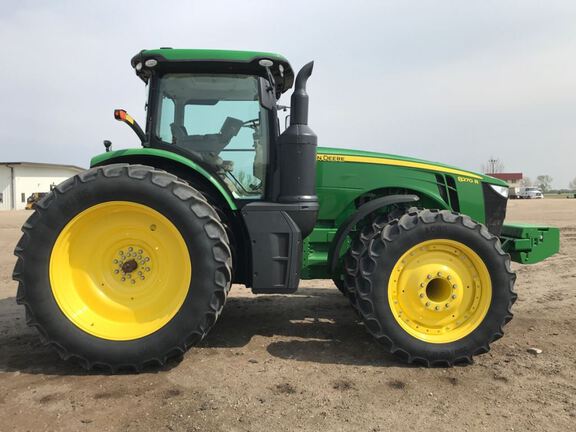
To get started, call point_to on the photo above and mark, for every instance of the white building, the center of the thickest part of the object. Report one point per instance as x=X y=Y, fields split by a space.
x=19 y=180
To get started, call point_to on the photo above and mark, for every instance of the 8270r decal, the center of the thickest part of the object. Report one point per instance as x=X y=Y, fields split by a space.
x=467 y=180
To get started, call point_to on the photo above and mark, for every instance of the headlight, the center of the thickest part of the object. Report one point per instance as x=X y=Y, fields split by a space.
x=150 y=63
x=500 y=190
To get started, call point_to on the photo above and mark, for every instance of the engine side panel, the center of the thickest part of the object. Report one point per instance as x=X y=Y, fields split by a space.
x=344 y=182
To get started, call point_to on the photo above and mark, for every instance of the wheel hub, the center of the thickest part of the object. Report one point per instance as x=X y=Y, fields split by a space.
x=131 y=264
x=439 y=291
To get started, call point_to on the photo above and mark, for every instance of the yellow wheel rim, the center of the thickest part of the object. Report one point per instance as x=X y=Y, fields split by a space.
x=440 y=291
x=120 y=270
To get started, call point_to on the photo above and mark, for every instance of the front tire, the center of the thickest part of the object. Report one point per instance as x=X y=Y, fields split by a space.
x=360 y=242
x=123 y=267
x=435 y=288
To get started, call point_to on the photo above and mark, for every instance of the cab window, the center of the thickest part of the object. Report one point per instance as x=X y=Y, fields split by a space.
x=217 y=120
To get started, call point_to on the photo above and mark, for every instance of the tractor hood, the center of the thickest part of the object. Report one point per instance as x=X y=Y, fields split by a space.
x=328 y=154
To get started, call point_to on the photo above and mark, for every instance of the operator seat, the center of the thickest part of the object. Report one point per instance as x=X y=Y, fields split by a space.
x=204 y=148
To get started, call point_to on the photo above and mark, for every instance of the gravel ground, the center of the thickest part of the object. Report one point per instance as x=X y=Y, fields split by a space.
x=303 y=362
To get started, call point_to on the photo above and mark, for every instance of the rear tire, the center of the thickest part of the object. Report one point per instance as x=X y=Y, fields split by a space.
x=135 y=315
x=435 y=288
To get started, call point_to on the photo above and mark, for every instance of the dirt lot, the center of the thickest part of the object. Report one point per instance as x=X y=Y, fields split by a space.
x=303 y=362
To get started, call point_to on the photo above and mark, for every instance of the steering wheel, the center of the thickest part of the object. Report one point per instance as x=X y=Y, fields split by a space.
x=252 y=124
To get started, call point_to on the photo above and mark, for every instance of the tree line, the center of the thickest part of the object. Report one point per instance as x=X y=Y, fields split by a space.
x=543 y=182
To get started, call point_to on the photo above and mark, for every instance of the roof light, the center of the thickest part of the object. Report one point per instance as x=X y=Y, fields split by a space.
x=265 y=62
x=501 y=190
x=151 y=62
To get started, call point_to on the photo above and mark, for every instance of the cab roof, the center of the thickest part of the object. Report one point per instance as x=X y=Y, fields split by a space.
x=208 y=60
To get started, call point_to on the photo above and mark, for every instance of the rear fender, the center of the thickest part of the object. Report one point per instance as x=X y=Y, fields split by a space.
x=171 y=162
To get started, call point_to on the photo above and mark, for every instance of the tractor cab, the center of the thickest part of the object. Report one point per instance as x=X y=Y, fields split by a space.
x=217 y=108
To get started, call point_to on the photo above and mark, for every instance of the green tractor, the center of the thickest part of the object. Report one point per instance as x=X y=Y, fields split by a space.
x=129 y=263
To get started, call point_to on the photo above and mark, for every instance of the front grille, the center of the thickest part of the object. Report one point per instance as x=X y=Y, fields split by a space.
x=454 y=200
x=494 y=209
x=448 y=192
x=441 y=182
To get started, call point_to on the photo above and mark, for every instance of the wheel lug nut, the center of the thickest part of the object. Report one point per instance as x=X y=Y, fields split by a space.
x=421 y=285
x=446 y=305
x=427 y=304
x=140 y=251
x=130 y=249
x=449 y=277
x=146 y=259
x=439 y=273
x=116 y=271
x=147 y=268
x=123 y=279
x=421 y=295
x=437 y=308
x=429 y=277
x=453 y=296
x=115 y=261
x=133 y=281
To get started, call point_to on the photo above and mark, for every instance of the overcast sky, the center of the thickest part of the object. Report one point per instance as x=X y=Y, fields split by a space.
x=449 y=81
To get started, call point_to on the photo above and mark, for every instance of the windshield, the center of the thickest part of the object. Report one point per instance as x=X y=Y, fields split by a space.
x=218 y=120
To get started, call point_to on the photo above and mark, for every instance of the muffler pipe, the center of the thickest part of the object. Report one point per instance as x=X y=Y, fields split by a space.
x=299 y=99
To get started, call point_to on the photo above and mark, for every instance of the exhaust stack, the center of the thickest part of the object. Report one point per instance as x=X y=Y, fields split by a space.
x=297 y=158
x=299 y=99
